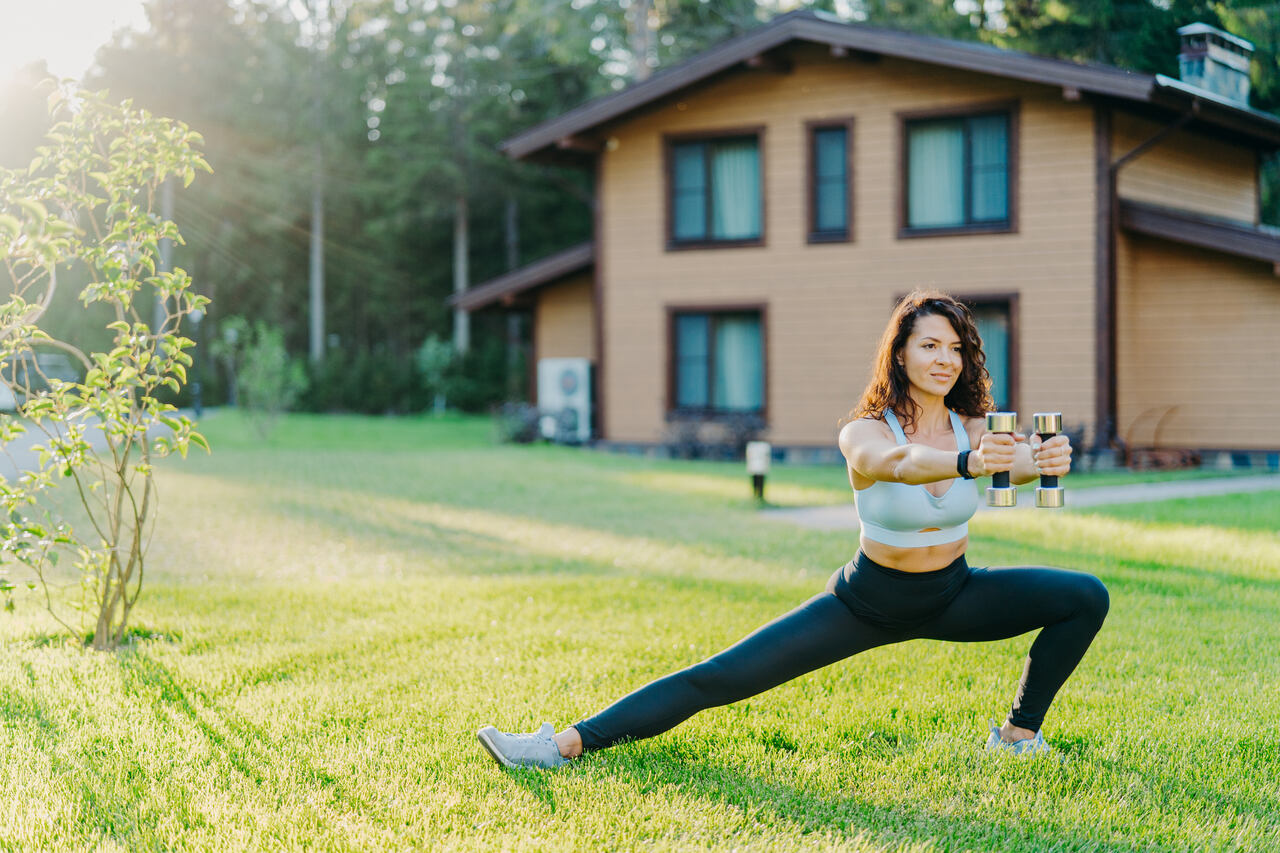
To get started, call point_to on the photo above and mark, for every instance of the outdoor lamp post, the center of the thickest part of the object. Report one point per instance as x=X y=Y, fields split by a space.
x=758 y=455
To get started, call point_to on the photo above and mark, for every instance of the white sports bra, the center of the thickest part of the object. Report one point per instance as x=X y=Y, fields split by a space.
x=897 y=513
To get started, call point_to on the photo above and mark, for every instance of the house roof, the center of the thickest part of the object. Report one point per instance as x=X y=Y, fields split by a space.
x=509 y=285
x=558 y=137
x=1205 y=232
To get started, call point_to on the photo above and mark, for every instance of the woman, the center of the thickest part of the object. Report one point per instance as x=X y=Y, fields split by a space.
x=908 y=443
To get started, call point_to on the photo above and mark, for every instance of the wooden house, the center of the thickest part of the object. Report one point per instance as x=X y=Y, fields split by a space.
x=760 y=208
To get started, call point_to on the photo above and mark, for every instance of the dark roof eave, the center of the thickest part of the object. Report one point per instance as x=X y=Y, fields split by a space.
x=541 y=272
x=1205 y=232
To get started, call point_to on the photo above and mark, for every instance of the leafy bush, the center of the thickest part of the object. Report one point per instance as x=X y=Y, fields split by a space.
x=518 y=423
x=375 y=383
x=477 y=380
x=266 y=381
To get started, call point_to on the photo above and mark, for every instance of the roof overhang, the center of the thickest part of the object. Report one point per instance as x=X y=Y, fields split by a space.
x=1205 y=232
x=507 y=287
x=575 y=134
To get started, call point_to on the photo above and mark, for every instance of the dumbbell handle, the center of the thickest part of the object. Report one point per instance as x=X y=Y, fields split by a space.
x=1048 y=481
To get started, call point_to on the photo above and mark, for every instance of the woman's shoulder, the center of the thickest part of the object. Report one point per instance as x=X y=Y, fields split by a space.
x=863 y=428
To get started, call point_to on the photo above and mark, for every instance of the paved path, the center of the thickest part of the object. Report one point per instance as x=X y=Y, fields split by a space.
x=18 y=455
x=845 y=517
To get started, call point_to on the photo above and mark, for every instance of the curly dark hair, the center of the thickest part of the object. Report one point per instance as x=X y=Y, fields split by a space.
x=888 y=388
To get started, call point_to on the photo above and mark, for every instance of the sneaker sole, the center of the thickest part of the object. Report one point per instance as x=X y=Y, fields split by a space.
x=485 y=738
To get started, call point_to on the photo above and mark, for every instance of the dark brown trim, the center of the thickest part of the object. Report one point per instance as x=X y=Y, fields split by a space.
x=806 y=26
x=597 y=299
x=1257 y=186
x=810 y=129
x=672 y=309
x=1011 y=108
x=1205 y=232
x=1104 y=281
x=669 y=140
x=533 y=352
x=1009 y=300
x=548 y=270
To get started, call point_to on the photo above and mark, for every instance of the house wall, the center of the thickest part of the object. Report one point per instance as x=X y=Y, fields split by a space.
x=563 y=321
x=1198 y=348
x=828 y=304
x=1187 y=170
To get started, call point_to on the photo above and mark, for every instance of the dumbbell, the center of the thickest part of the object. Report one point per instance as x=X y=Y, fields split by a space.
x=1049 y=493
x=1000 y=493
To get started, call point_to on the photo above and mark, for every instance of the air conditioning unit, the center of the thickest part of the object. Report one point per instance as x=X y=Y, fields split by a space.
x=564 y=399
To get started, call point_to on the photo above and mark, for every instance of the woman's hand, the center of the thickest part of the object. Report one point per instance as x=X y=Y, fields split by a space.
x=995 y=453
x=1052 y=457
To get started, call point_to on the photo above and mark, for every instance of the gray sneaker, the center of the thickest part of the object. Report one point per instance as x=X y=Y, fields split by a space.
x=536 y=749
x=1026 y=746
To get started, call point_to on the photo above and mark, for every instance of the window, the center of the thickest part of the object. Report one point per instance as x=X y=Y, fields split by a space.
x=715 y=191
x=959 y=173
x=830 y=182
x=718 y=361
x=995 y=320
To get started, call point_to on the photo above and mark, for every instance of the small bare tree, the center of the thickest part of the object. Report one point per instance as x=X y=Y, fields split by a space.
x=90 y=197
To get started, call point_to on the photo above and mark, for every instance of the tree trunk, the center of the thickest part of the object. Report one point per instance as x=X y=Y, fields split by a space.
x=461 y=319
x=513 y=317
x=641 y=38
x=317 y=264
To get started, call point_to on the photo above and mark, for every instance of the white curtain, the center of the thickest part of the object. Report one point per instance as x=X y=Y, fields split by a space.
x=735 y=184
x=739 y=363
x=989 y=158
x=935 y=187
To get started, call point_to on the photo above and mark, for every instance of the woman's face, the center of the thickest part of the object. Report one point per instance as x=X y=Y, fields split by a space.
x=931 y=355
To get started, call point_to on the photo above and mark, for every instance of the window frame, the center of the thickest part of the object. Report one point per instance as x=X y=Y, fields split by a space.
x=811 y=129
x=710 y=411
x=1008 y=301
x=669 y=142
x=1010 y=108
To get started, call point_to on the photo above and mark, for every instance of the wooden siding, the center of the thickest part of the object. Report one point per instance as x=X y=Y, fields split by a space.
x=1198 y=346
x=827 y=304
x=563 y=323
x=1187 y=170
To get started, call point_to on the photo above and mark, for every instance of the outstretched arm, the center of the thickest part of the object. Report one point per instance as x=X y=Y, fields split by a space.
x=870 y=450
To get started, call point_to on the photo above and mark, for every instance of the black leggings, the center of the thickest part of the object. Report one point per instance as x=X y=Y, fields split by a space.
x=868 y=605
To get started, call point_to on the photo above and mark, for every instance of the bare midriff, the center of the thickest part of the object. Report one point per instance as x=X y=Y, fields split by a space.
x=930 y=558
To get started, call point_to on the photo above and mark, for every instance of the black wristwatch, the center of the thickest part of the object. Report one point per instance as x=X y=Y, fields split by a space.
x=962 y=464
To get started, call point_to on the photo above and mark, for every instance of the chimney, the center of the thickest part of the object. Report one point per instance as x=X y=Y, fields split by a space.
x=1215 y=60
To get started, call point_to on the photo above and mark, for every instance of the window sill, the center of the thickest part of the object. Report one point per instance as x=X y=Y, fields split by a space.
x=830 y=237
x=955 y=230
x=713 y=414
x=684 y=245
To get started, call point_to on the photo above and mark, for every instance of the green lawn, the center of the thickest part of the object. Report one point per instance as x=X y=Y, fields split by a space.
x=330 y=615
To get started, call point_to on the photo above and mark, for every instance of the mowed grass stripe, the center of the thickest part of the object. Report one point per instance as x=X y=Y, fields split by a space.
x=330 y=617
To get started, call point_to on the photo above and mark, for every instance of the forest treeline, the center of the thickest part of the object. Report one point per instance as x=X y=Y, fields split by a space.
x=380 y=119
